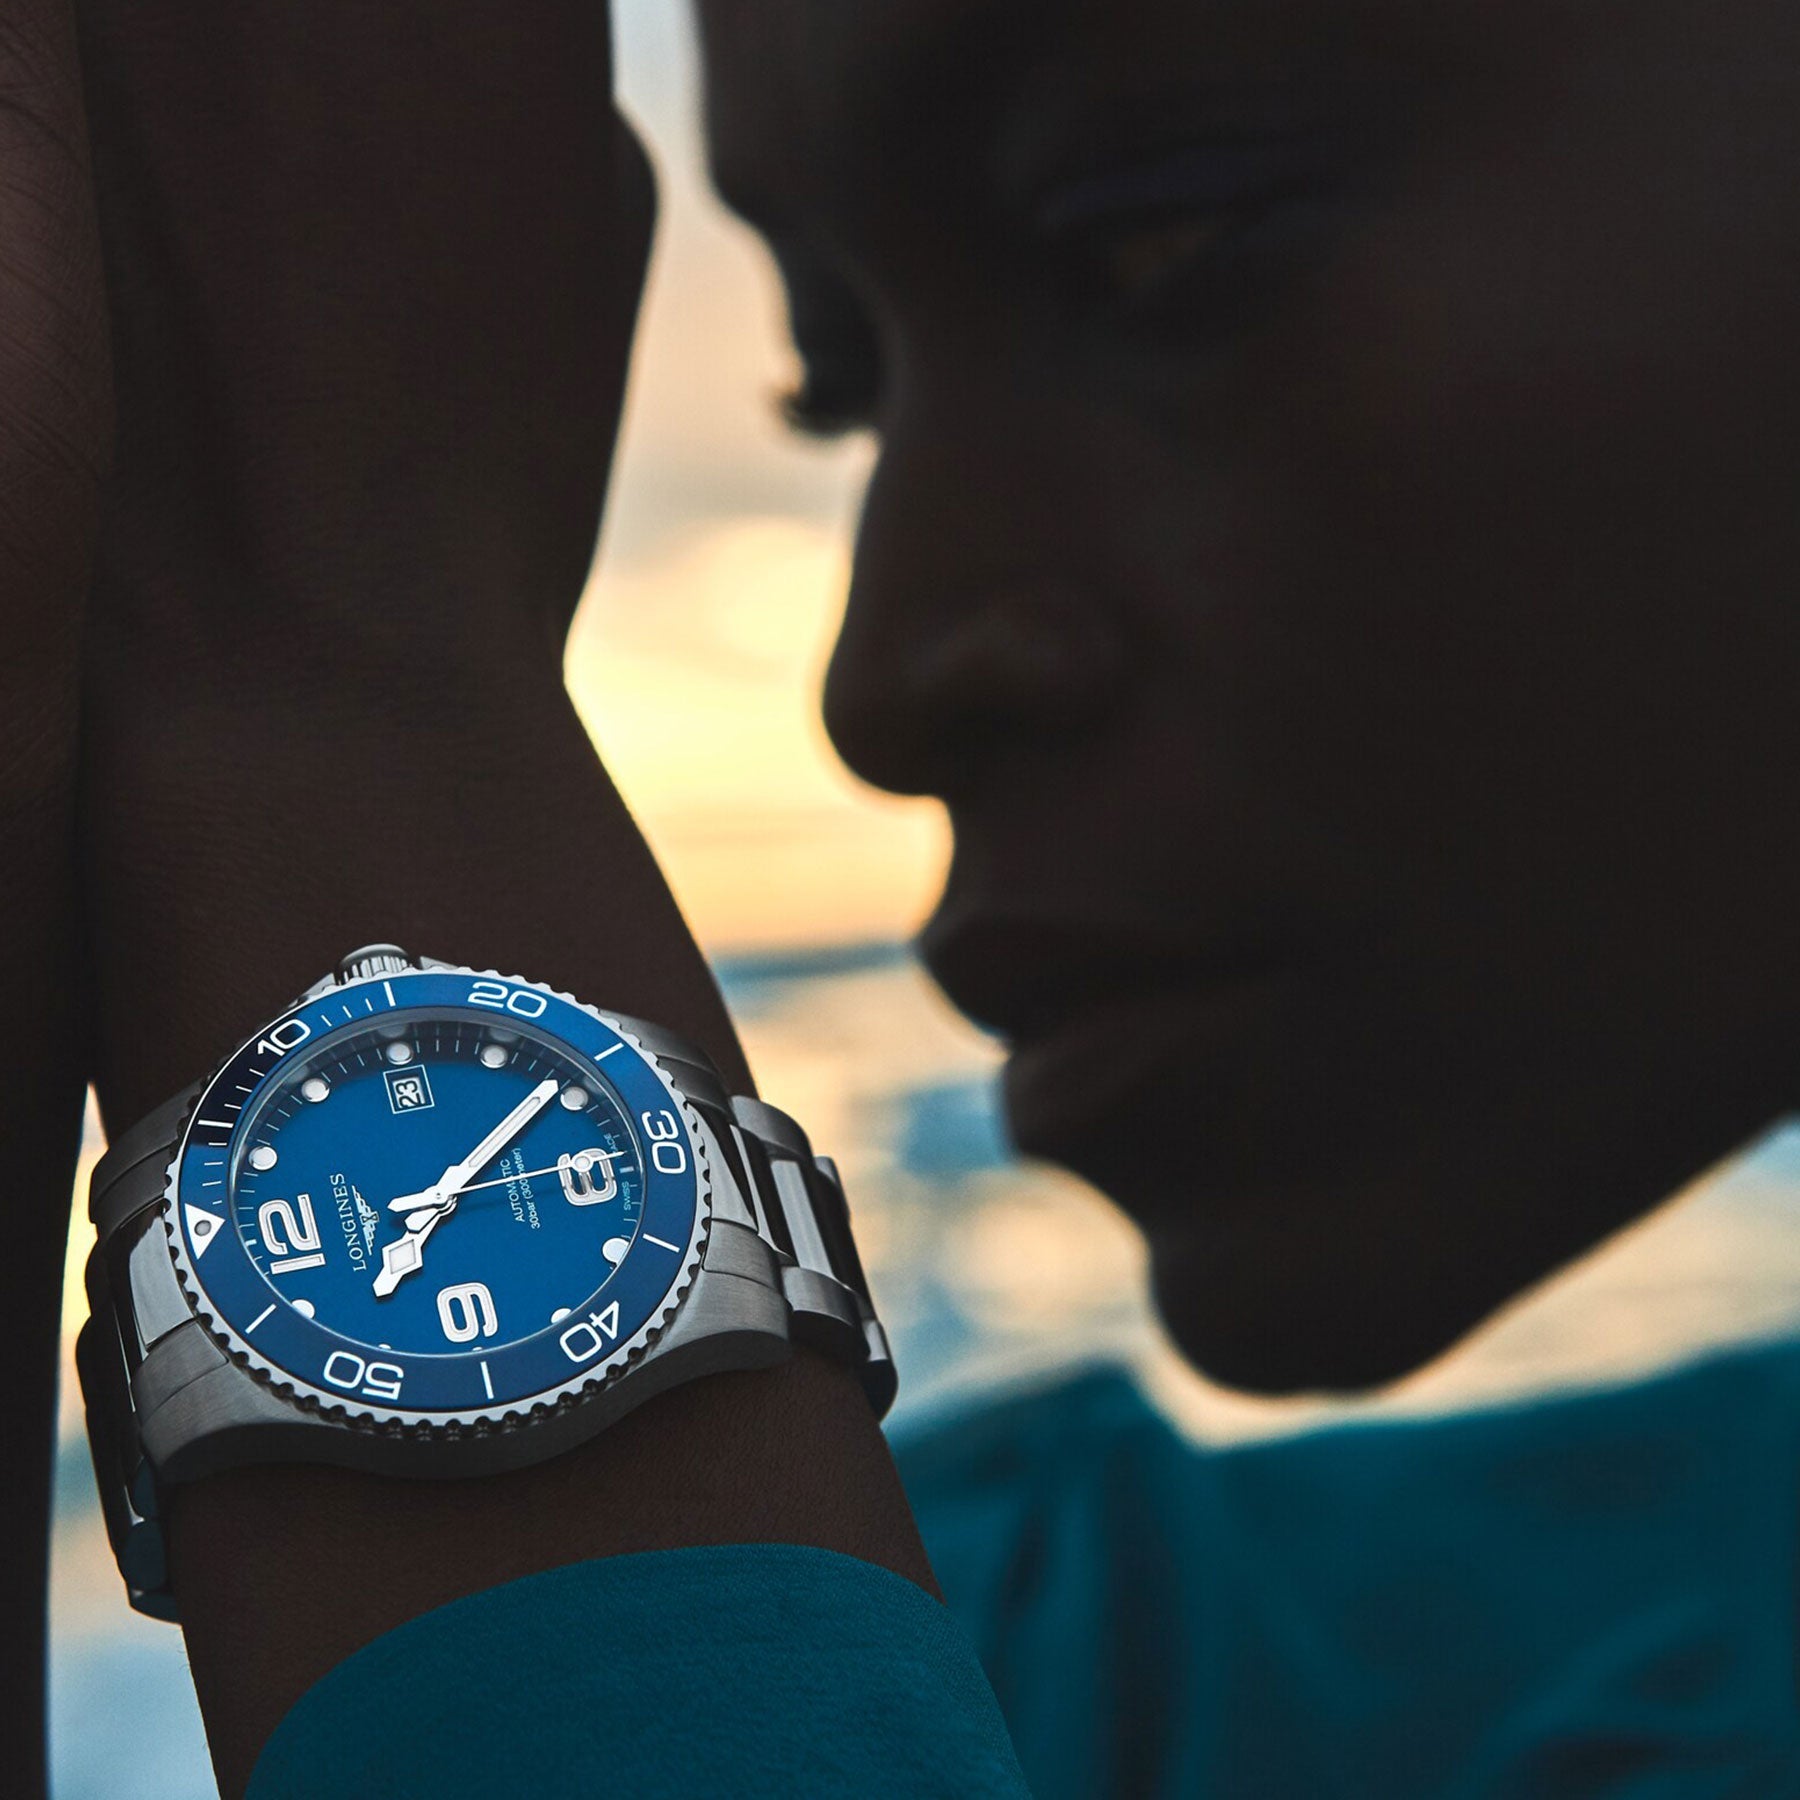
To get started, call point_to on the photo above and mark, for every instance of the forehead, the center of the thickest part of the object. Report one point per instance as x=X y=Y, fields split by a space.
x=804 y=93
x=808 y=97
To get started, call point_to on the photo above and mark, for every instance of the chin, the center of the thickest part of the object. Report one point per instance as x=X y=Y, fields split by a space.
x=1256 y=1317
x=1286 y=1294
x=1331 y=1258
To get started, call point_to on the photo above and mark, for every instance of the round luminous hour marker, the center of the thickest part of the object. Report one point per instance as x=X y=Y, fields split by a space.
x=314 y=1087
x=614 y=1249
x=557 y=1317
x=575 y=1098
x=304 y=1307
x=400 y=1051
x=493 y=1056
x=263 y=1157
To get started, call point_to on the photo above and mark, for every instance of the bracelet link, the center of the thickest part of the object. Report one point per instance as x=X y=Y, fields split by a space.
x=805 y=1217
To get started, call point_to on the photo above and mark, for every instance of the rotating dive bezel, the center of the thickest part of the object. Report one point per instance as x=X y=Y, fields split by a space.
x=438 y=1393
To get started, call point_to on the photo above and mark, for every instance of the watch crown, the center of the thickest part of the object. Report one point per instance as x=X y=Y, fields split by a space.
x=371 y=960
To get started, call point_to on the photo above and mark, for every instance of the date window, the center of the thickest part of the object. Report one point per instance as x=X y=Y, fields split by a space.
x=409 y=1090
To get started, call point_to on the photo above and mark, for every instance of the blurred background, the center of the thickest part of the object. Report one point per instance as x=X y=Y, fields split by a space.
x=729 y=539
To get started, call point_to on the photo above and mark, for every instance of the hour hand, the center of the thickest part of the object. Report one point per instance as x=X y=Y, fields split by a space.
x=406 y=1252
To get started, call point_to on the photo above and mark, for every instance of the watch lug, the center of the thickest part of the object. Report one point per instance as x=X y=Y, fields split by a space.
x=131 y=1175
x=737 y=1250
x=727 y=1321
x=225 y=1416
x=178 y=1359
x=157 y=1303
x=729 y=1196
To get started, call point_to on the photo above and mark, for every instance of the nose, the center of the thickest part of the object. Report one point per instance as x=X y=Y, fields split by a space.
x=968 y=633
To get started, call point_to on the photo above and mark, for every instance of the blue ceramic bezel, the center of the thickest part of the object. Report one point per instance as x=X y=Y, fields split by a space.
x=242 y=1308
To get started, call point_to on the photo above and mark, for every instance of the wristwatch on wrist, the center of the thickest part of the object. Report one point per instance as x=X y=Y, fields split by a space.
x=436 y=1222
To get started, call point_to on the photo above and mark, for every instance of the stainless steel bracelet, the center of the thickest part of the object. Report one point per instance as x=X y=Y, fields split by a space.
x=766 y=1180
x=801 y=1214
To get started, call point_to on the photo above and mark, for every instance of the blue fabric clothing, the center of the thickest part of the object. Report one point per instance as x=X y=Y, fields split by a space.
x=1592 y=1597
x=766 y=1672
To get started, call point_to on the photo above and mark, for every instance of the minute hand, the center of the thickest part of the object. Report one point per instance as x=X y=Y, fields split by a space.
x=449 y=1184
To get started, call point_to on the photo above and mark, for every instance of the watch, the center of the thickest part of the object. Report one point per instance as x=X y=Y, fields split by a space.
x=434 y=1221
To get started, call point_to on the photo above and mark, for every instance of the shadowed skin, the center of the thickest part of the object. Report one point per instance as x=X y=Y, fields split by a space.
x=1332 y=548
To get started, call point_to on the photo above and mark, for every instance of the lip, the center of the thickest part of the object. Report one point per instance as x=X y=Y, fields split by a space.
x=1030 y=977
x=1100 y=1022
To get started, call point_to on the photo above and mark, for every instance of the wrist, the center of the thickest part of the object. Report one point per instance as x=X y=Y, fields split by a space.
x=789 y=1452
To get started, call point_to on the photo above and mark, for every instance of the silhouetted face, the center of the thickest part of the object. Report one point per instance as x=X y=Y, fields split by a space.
x=1334 y=549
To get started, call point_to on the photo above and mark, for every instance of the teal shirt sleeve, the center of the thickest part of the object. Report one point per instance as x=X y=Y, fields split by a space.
x=733 y=1670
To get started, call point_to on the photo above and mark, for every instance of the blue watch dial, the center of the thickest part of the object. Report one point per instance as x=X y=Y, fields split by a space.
x=517 y=1243
x=436 y=1195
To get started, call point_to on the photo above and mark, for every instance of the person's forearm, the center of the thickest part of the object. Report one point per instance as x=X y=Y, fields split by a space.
x=373 y=274
x=333 y=713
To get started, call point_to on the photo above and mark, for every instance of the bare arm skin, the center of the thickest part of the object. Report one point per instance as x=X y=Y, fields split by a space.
x=53 y=425
x=373 y=273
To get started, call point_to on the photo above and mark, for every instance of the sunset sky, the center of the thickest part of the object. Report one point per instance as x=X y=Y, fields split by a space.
x=697 y=656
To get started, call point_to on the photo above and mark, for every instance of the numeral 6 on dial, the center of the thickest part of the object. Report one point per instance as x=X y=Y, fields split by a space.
x=466 y=1312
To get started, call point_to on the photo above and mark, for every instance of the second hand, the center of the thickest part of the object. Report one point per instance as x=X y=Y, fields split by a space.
x=589 y=1157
